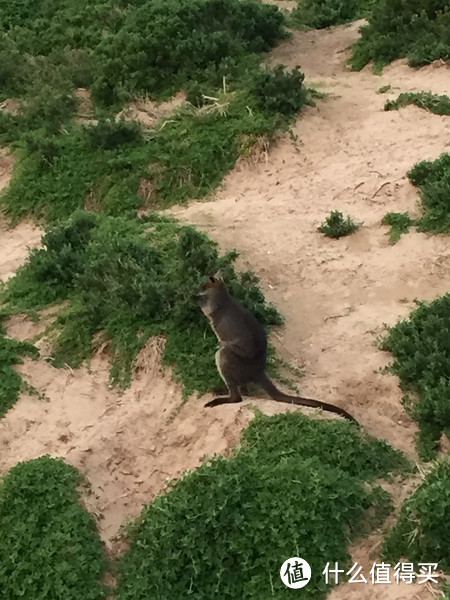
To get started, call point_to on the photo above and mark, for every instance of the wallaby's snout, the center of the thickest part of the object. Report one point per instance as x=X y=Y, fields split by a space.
x=213 y=282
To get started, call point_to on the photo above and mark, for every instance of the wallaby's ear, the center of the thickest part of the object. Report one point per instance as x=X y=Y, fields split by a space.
x=218 y=276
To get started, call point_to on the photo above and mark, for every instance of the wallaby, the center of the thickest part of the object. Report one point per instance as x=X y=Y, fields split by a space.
x=241 y=357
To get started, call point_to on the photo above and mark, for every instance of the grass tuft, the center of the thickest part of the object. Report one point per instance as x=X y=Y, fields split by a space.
x=435 y=103
x=11 y=351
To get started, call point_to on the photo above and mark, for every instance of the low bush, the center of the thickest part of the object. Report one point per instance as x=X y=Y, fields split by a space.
x=11 y=351
x=324 y=13
x=131 y=279
x=435 y=103
x=163 y=45
x=422 y=531
x=336 y=225
x=396 y=29
x=295 y=487
x=49 y=547
x=421 y=350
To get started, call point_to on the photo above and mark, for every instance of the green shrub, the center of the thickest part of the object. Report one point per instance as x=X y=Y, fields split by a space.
x=433 y=180
x=162 y=46
x=11 y=351
x=49 y=547
x=415 y=29
x=435 y=103
x=279 y=91
x=131 y=279
x=101 y=166
x=324 y=13
x=296 y=487
x=421 y=350
x=422 y=531
x=336 y=225
x=399 y=223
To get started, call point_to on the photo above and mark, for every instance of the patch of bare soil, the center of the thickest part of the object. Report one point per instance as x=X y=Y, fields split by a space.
x=336 y=296
x=14 y=243
x=148 y=112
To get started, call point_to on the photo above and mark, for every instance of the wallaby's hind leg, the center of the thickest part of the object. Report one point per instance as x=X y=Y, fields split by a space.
x=232 y=388
x=234 y=397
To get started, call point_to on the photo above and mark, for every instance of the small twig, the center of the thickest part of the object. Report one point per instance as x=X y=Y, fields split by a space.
x=349 y=310
x=66 y=366
x=381 y=187
x=115 y=500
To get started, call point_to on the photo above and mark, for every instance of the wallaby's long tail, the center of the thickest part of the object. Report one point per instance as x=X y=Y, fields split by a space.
x=279 y=396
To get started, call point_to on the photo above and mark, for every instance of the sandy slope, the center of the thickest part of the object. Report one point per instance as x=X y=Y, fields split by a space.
x=336 y=296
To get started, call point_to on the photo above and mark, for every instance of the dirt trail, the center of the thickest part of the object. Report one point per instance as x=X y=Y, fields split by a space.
x=336 y=296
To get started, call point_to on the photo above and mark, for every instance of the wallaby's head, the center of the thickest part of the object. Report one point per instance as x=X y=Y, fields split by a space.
x=212 y=293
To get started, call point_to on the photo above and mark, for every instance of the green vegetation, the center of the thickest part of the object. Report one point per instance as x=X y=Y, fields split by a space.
x=383 y=89
x=123 y=48
x=10 y=381
x=399 y=223
x=295 y=487
x=420 y=345
x=131 y=278
x=336 y=225
x=208 y=48
x=433 y=180
x=49 y=547
x=435 y=103
x=324 y=13
x=422 y=532
x=115 y=166
x=415 y=29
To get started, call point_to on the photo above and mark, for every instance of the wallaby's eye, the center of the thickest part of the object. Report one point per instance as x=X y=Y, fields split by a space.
x=212 y=280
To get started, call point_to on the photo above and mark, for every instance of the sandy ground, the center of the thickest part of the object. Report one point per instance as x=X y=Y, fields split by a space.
x=336 y=296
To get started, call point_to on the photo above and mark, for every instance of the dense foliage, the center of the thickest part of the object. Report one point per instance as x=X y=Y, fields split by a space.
x=417 y=30
x=336 y=225
x=439 y=104
x=433 y=181
x=102 y=166
x=49 y=547
x=121 y=48
x=162 y=45
x=131 y=279
x=11 y=351
x=296 y=487
x=422 y=532
x=421 y=349
x=324 y=13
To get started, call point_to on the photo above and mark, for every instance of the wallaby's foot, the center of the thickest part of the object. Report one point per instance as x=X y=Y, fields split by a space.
x=225 y=400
